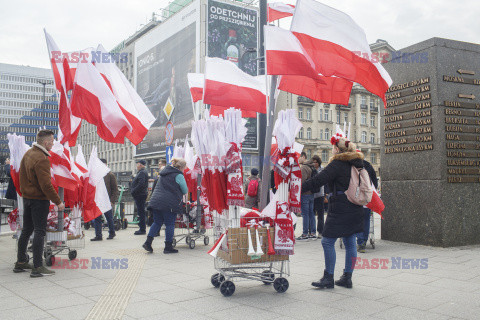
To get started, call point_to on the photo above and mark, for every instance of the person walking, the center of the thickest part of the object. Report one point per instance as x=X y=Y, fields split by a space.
x=251 y=189
x=362 y=237
x=112 y=189
x=166 y=203
x=306 y=201
x=139 y=192
x=37 y=192
x=344 y=219
x=318 y=198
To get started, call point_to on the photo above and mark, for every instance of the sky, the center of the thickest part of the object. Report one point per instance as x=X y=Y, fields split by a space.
x=81 y=24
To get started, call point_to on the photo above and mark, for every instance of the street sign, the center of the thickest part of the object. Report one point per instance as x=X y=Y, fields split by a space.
x=169 y=154
x=168 y=109
x=169 y=133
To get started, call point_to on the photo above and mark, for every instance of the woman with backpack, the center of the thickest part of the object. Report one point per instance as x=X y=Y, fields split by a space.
x=252 y=190
x=166 y=203
x=344 y=218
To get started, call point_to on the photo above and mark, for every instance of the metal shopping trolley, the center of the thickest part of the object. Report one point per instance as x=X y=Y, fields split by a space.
x=237 y=259
x=189 y=228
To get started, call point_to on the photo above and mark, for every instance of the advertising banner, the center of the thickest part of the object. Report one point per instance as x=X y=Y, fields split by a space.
x=233 y=35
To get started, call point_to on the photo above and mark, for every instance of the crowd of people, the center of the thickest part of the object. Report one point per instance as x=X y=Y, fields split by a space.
x=321 y=186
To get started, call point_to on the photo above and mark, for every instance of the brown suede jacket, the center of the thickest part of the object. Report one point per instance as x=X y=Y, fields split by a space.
x=35 y=178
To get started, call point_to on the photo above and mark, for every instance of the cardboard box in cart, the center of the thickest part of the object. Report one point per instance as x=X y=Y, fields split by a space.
x=236 y=248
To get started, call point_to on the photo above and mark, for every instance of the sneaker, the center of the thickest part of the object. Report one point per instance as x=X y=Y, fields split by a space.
x=312 y=236
x=22 y=267
x=302 y=237
x=41 y=271
x=140 y=232
x=361 y=248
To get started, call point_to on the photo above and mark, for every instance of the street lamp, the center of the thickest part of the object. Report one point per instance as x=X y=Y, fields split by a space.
x=44 y=83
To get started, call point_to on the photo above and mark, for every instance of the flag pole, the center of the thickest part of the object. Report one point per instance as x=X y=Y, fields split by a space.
x=268 y=144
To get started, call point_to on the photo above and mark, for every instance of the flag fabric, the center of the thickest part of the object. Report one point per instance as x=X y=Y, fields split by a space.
x=287 y=57
x=61 y=167
x=17 y=147
x=338 y=46
x=93 y=101
x=195 y=83
x=228 y=86
x=95 y=196
x=279 y=10
x=217 y=110
x=130 y=103
x=80 y=161
x=69 y=125
x=376 y=204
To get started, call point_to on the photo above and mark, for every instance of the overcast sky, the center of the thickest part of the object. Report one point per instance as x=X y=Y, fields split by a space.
x=81 y=24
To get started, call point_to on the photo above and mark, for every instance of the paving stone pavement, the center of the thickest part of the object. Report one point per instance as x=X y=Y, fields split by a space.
x=159 y=286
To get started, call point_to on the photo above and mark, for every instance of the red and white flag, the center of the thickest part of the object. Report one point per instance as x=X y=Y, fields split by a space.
x=69 y=125
x=132 y=106
x=95 y=196
x=228 y=86
x=61 y=167
x=93 y=101
x=17 y=147
x=195 y=83
x=80 y=161
x=376 y=205
x=279 y=10
x=337 y=46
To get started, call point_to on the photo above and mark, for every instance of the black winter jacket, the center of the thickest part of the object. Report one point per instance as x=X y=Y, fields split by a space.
x=140 y=184
x=344 y=218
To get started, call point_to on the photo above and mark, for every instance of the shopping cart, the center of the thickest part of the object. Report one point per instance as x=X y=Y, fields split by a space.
x=237 y=259
x=66 y=240
x=189 y=228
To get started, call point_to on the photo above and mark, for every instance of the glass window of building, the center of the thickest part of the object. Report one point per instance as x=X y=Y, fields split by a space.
x=326 y=115
x=364 y=119
x=372 y=138
x=327 y=134
x=309 y=154
x=372 y=121
x=345 y=117
x=321 y=134
x=320 y=114
x=309 y=133
x=364 y=136
x=364 y=100
x=300 y=113
x=339 y=115
x=372 y=102
x=309 y=114
x=373 y=157
x=324 y=156
x=300 y=133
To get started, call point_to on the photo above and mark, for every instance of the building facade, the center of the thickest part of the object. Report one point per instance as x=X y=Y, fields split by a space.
x=22 y=112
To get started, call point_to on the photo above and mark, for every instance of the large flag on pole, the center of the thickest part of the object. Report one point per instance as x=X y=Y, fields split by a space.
x=195 y=83
x=279 y=10
x=338 y=46
x=61 y=167
x=228 y=86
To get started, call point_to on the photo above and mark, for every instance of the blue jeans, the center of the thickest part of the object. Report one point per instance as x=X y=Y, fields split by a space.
x=308 y=214
x=97 y=223
x=140 y=203
x=330 y=254
x=160 y=218
x=362 y=237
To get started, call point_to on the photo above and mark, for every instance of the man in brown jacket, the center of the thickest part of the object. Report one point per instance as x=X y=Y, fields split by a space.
x=37 y=191
x=112 y=189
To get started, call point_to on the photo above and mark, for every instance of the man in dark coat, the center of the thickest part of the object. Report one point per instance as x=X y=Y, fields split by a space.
x=362 y=237
x=112 y=189
x=307 y=201
x=139 y=192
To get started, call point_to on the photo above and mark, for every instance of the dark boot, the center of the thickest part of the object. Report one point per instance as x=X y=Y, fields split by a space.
x=325 y=282
x=169 y=248
x=345 y=280
x=148 y=244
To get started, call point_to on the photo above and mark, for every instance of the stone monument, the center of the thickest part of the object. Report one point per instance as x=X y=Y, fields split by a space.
x=430 y=132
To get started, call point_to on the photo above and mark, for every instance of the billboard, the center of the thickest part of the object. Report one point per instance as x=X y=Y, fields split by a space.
x=164 y=56
x=232 y=34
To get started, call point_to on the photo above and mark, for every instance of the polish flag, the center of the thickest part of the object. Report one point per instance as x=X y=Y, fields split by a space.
x=195 y=83
x=17 y=147
x=130 y=103
x=95 y=196
x=61 y=167
x=228 y=86
x=80 y=161
x=279 y=10
x=376 y=205
x=287 y=57
x=337 y=45
x=69 y=125
x=93 y=101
